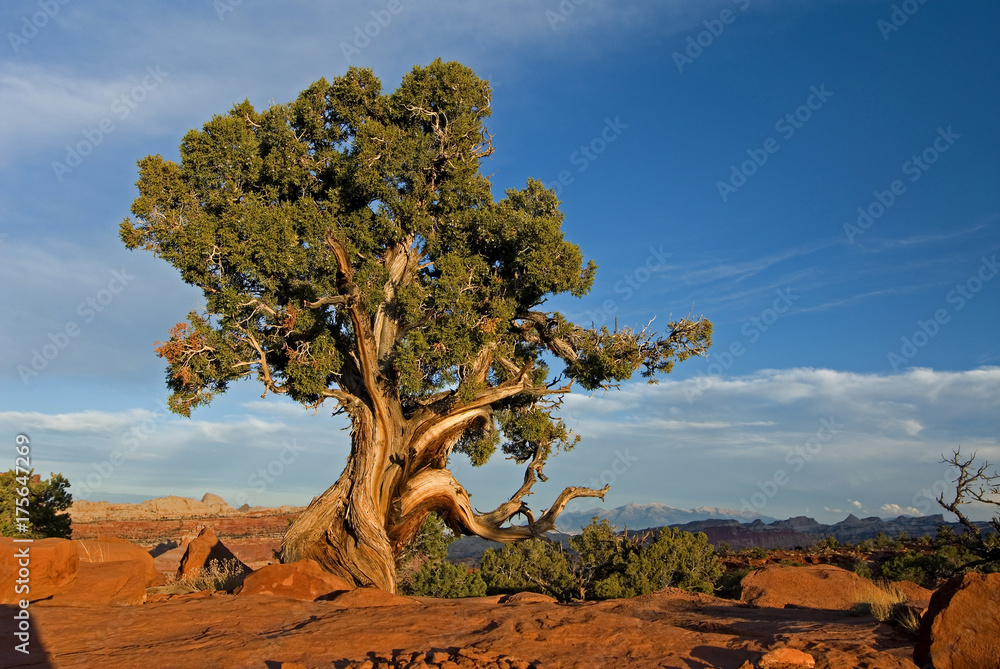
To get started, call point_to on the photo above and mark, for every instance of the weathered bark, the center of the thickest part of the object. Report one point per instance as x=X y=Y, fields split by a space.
x=358 y=527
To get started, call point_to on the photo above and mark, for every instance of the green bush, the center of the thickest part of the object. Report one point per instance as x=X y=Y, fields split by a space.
x=676 y=559
x=423 y=569
x=446 y=580
x=862 y=568
x=756 y=552
x=47 y=503
x=603 y=565
x=533 y=565
x=830 y=543
x=921 y=569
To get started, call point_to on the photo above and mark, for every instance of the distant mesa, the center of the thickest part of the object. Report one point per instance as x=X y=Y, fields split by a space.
x=170 y=507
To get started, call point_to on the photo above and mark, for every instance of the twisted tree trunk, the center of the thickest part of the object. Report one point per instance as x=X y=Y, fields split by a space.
x=395 y=476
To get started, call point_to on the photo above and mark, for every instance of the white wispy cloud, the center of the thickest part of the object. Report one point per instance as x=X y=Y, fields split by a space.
x=895 y=510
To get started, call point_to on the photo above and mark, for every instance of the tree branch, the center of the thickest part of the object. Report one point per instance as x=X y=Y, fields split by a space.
x=438 y=489
x=978 y=484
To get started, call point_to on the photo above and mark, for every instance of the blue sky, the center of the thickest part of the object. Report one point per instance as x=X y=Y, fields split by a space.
x=818 y=179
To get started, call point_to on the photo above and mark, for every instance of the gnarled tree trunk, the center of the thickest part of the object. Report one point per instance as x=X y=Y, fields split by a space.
x=395 y=476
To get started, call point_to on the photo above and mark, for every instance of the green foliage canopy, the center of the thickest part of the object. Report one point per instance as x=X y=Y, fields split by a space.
x=295 y=219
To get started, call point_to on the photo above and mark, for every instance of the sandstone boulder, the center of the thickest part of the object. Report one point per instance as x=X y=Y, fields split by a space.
x=786 y=658
x=305 y=580
x=52 y=566
x=120 y=583
x=526 y=597
x=961 y=628
x=814 y=587
x=203 y=551
x=912 y=591
x=113 y=549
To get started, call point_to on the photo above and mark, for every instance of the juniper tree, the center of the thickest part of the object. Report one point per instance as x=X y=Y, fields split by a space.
x=352 y=255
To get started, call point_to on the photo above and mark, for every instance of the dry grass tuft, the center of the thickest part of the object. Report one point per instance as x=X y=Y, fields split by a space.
x=220 y=575
x=887 y=604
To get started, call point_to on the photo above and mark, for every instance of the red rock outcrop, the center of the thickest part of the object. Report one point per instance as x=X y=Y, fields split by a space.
x=364 y=598
x=305 y=580
x=52 y=566
x=961 y=628
x=912 y=591
x=786 y=658
x=102 y=584
x=814 y=587
x=113 y=549
x=203 y=551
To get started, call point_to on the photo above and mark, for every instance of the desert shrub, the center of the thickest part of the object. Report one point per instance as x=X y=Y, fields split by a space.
x=862 y=568
x=219 y=575
x=882 y=540
x=534 y=565
x=924 y=570
x=431 y=542
x=446 y=580
x=756 y=552
x=830 y=543
x=47 y=503
x=428 y=550
x=866 y=546
x=604 y=565
x=676 y=559
x=423 y=568
x=729 y=585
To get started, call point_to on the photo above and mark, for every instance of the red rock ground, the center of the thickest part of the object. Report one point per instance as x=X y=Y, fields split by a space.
x=669 y=629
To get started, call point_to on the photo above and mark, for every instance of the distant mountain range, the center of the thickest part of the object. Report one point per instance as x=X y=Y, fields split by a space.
x=803 y=531
x=725 y=526
x=642 y=516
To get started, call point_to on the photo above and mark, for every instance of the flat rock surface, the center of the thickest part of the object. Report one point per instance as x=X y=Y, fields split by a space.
x=668 y=629
x=814 y=586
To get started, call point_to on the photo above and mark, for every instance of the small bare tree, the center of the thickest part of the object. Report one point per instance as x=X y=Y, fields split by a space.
x=976 y=482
